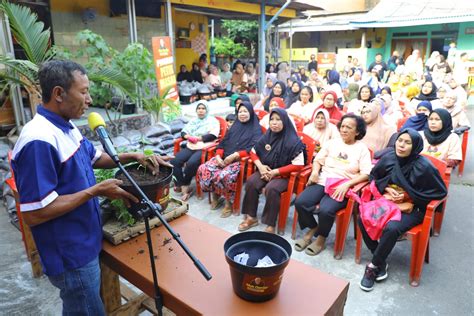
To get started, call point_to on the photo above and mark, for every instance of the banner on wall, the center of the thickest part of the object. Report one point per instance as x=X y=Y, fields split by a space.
x=163 y=60
x=326 y=61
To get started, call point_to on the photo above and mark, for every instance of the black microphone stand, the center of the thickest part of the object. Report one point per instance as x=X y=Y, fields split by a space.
x=150 y=211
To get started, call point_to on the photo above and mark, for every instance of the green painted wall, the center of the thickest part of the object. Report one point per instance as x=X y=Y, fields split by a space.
x=465 y=41
x=421 y=28
x=371 y=52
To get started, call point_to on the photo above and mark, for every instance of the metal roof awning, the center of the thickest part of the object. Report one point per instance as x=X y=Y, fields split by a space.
x=399 y=13
x=322 y=23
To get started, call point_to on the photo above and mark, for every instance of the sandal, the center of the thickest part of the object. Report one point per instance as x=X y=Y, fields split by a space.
x=247 y=224
x=226 y=212
x=215 y=204
x=269 y=229
x=301 y=244
x=314 y=248
x=187 y=195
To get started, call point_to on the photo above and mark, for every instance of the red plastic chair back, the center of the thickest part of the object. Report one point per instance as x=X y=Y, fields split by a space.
x=260 y=113
x=299 y=122
x=465 y=139
x=401 y=122
x=310 y=145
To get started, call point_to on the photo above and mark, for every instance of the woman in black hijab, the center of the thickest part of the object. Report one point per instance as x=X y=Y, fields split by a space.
x=276 y=154
x=403 y=172
x=196 y=74
x=439 y=140
x=219 y=175
x=278 y=90
x=293 y=94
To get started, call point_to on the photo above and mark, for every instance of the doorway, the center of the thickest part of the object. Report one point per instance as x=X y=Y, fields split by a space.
x=406 y=46
x=438 y=44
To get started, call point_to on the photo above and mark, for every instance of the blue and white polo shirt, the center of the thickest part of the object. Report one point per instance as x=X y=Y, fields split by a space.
x=52 y=158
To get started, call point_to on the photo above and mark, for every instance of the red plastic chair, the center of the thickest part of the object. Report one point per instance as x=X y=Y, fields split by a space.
x=419 y=235
x=286 y=196
x=343 y=216
x=439 y=214
x=211 y=152
x=260 y=113
x=401 y=122
x=465 y=139
x=299 y=123
x=177 y=148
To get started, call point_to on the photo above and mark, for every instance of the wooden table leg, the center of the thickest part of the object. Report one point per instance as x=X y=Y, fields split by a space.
x=109 y=288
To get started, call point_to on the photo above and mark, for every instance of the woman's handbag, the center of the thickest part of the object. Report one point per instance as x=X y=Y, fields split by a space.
x=375 y=214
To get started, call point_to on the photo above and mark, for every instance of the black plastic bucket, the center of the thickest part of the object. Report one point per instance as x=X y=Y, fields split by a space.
x=252 y=283
x=158 y=192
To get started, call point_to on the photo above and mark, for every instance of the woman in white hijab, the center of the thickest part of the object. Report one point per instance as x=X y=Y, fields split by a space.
x=321 y=129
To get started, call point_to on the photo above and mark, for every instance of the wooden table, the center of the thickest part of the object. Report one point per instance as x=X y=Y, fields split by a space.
x=304 y=290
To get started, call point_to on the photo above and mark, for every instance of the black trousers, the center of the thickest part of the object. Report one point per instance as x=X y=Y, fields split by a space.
x=394 y=229
x=273 y=190
x=192 y=159
x=305 y=205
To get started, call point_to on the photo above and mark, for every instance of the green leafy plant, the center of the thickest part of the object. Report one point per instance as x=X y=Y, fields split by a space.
x=158 y=103
x=121 y=211
x=227 y=47
x=242 y=31
x=30 y=34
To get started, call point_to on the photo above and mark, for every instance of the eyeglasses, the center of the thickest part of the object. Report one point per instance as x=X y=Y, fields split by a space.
x=365 y=112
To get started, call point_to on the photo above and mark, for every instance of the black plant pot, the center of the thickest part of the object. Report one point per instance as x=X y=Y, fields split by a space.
x=128 y=108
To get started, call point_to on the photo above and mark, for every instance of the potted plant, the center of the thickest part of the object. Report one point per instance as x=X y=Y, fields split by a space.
x=157 y=105
x=30 y=34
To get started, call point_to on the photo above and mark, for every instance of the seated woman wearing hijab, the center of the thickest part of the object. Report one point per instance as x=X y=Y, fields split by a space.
x=378 y=131
x=199 y=133
x=341 y=158
x=419 y=121
x=427 y=93
x=321 y=129
x=276 y=154
x=274 y=103
x=278 y=90
x=304 y=107
x=405 y=169
x=329 y=104
x=364 y=96
x=219 y=175
x=293 y=94
x=458 y=115
x=438 y=139
x=237 y=99
x=335 y=85
x=393 y=112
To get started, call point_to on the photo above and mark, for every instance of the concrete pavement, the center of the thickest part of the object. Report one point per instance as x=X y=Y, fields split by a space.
x=447 y=284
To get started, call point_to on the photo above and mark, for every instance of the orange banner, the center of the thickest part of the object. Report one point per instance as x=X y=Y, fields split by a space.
x=163 y=59
x=326 y=61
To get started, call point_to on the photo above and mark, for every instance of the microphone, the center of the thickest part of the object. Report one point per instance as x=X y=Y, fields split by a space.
x=97 y=124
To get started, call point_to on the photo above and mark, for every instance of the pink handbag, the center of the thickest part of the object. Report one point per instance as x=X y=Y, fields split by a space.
x=331 y=185
x=377 y=213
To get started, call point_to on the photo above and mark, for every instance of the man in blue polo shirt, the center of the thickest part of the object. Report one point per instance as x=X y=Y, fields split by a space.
x=53 y=165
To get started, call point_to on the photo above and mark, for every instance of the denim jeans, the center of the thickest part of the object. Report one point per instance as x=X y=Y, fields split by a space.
x=80 y=290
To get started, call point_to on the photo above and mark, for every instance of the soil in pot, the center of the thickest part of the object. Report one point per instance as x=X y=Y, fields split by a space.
x=156 y=187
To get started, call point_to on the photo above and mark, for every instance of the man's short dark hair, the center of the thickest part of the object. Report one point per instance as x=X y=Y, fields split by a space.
x=57 y=73
x=361 y=126
x=378 y=54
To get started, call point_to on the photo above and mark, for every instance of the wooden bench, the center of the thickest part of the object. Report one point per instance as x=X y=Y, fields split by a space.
x=304 y=290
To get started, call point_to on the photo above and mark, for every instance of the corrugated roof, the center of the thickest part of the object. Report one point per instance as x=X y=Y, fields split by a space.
x=321 y=24
x=390 y=13
x=397 y=13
